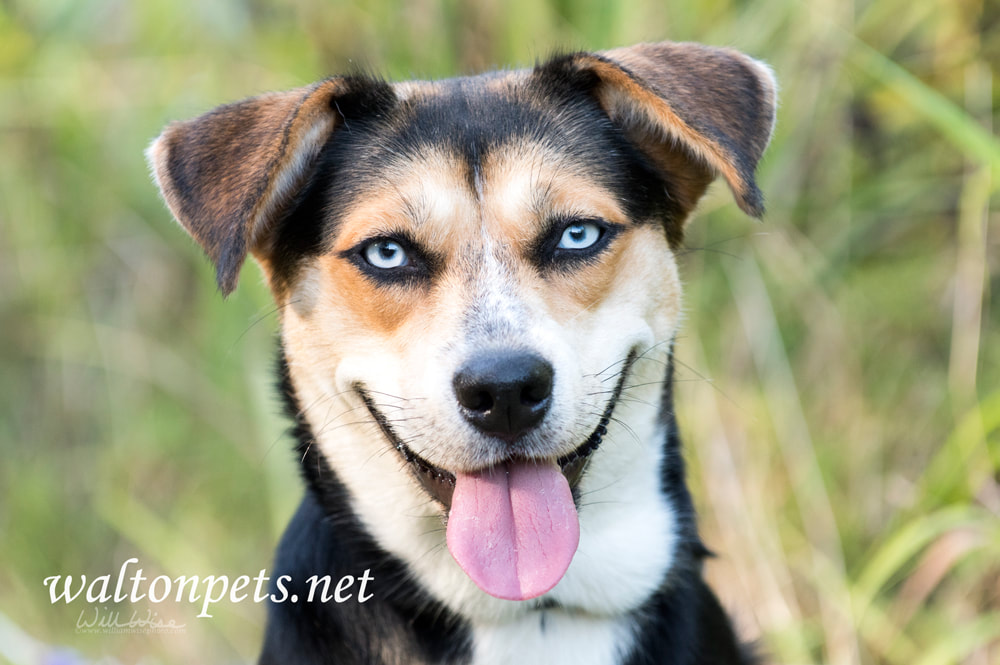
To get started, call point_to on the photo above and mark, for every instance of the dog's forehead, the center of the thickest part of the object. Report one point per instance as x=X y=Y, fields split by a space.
x=500 y=130
x=441 y=161
x=483 y=152
x=473 y=117
x=512 y=192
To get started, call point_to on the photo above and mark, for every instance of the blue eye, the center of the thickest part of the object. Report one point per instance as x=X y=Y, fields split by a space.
x=385 y=254
x=580 y=235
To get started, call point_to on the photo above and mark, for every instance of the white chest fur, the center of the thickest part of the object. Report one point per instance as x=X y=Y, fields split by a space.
x=552 y=637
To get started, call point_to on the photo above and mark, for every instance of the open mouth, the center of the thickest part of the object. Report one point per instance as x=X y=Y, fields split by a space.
x=440 y=483
x=512 y=527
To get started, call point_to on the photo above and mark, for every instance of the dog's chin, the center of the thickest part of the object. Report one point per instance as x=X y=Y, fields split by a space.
x=439 y=482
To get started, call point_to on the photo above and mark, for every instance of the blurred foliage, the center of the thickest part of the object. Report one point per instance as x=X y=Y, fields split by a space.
x=840 y=364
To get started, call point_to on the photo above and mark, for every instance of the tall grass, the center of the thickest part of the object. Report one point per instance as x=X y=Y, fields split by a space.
x=840 y=363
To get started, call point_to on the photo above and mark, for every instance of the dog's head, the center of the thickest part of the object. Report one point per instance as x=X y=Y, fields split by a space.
x=473 y=277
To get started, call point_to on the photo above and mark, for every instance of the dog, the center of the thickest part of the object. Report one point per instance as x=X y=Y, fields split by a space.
x=478 y=293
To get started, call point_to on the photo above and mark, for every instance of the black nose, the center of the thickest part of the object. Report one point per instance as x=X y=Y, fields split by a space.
x=504 y=394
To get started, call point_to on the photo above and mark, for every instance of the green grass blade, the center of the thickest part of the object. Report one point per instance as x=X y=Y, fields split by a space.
x=955 y=124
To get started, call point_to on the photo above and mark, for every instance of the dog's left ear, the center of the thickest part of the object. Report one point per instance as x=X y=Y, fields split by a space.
x=228 y=174
x=694 y=110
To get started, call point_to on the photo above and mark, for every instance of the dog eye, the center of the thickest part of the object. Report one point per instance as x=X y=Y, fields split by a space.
x=573 y=241
x=580 y=235
x=385 y=254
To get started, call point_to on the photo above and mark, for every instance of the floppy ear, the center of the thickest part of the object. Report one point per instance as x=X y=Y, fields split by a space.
x=696 y=111
x=228 y=174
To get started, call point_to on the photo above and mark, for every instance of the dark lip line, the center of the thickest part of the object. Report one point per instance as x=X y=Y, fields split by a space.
x=593 y=442
x=408 y=455
x=580 y=454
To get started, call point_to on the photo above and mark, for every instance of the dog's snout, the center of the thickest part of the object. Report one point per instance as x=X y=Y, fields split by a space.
x=504 y=394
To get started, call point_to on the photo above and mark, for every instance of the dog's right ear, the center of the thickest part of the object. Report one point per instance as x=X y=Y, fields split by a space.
x=695 y=111
x=228 y=174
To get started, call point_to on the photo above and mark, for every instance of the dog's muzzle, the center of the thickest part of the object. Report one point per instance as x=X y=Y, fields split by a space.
x=513 y=526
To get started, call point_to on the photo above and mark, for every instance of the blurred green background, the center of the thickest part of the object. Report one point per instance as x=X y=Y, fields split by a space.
x=840 y=363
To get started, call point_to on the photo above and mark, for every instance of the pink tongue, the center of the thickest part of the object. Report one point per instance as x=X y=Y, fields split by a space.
x=513 y=528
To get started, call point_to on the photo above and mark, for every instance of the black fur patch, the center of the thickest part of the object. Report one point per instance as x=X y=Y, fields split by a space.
x=399 y=624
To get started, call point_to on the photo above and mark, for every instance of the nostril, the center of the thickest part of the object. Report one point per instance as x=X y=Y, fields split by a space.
x=538 y=389
x=475 y=400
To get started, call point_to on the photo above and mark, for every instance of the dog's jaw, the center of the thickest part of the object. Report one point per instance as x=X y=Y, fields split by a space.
x=627 y=525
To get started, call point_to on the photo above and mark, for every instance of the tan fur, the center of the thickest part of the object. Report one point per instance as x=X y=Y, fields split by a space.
x=435 y=204
x=532 y=182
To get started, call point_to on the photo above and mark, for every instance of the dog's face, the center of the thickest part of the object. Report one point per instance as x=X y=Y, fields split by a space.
x=478 y=292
